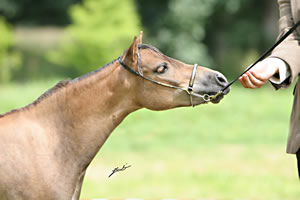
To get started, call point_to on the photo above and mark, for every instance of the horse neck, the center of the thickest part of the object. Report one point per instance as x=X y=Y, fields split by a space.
x=88 y=110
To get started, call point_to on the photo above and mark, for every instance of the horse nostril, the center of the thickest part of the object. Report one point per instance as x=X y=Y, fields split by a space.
x=221 y=79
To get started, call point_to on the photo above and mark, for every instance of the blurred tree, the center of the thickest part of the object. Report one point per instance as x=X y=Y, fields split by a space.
x=222 y=33
x=178 y=27
x=9 y=59
x=240 y=31
x=101 y=31
x=36 y=12
x=210 y=32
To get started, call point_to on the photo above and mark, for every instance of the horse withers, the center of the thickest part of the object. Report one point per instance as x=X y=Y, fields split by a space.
x=47 y=146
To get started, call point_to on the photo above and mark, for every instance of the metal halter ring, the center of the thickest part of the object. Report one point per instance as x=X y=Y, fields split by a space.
x=206 y=98
x=189 y=90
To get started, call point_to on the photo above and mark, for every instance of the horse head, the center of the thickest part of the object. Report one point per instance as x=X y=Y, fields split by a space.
x=162 y=82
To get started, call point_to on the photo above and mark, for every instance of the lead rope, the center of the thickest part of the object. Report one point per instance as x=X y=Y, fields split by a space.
x=258 y=60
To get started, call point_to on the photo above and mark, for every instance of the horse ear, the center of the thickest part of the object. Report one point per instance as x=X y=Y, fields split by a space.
x=131 y=56
x=140 y=41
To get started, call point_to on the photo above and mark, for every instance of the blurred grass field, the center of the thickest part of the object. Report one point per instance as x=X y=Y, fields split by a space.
x=233 y=150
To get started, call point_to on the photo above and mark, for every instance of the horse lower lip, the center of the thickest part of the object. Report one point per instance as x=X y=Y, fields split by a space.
x=218 y=99
x=227 y=91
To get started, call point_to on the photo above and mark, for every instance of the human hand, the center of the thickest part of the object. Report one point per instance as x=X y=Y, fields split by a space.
x=259 y=74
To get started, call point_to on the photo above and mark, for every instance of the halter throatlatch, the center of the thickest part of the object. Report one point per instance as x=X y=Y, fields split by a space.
x=206 y=98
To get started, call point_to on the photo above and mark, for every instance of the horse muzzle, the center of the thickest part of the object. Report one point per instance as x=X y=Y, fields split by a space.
x=210 y=84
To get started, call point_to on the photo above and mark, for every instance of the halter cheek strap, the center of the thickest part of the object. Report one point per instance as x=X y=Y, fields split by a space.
x=191 y=83
x=192 y=79
x=189 y=90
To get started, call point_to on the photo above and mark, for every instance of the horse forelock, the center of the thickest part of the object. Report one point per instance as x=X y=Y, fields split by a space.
x=148 y=46
x=156 y=50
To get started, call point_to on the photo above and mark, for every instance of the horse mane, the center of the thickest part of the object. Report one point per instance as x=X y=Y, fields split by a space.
x=92 y=72
x=57 y=87
x=52 y=90
x=64 y=83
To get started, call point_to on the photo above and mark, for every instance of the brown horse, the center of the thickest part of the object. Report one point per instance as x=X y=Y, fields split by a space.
x=47 y=146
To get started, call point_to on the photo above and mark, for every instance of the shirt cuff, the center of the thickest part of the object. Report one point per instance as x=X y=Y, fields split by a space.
x=284 y=70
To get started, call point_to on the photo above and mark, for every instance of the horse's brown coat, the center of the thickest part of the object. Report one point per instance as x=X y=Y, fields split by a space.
x=47 y=146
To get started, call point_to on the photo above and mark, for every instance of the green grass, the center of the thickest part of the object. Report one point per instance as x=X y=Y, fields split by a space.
x=233 y=150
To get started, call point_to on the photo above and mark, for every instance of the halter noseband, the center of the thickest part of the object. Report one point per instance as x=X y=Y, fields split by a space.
x=206 y=98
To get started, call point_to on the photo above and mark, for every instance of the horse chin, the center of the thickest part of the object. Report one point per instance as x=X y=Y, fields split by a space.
x=198 y=102
x=221 y=96
x=218 y=99
x=214 y=101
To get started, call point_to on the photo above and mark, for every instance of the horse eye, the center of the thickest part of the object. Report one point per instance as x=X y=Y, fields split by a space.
x=162 y=68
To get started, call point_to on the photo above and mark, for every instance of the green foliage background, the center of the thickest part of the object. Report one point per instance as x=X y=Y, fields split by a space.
x=181 y=30
x=233 y=150
x=9 y=59
x=224 y=35
x=33 y=12
x=101 y=31
x=219 y=34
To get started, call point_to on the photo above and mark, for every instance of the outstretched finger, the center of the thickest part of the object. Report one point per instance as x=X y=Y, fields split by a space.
x=242 y=81
x=249 y=83
x=256 y=82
